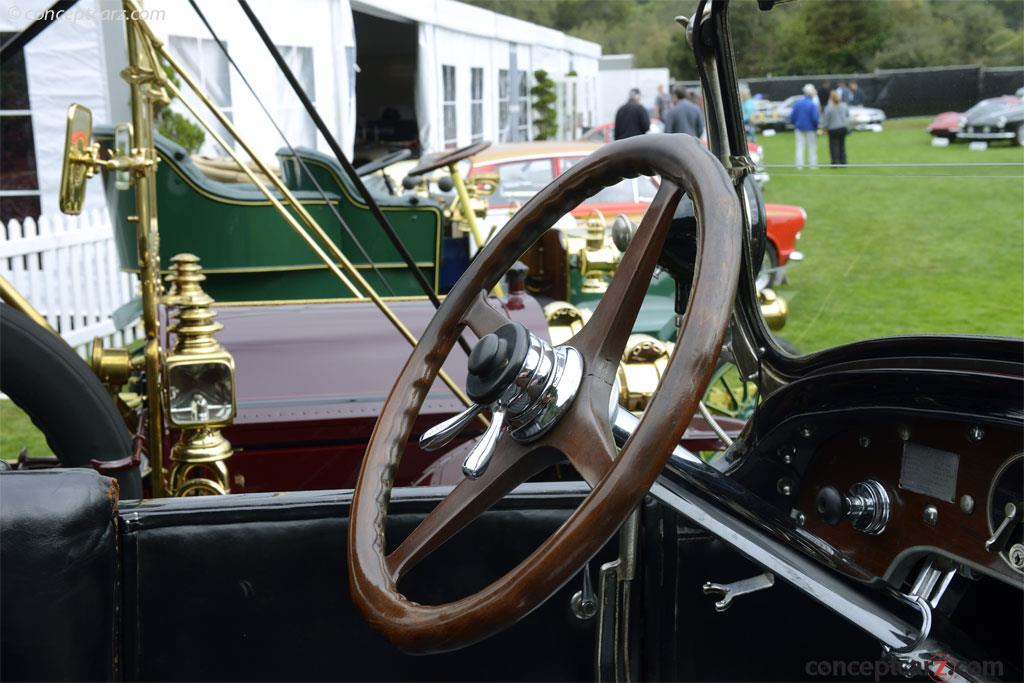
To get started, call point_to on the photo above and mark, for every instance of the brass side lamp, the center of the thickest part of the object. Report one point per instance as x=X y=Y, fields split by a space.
x=200 y=381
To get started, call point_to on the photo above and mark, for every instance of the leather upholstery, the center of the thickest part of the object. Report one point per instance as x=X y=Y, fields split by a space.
x=59 y=575
x=255 y=587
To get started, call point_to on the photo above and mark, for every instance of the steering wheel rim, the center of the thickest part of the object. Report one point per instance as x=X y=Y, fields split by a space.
x=618 y=481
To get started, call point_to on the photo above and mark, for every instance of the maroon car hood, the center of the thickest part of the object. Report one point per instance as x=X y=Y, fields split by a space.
x=326 y=361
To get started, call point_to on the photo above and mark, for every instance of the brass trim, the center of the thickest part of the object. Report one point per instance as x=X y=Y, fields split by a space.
x=284 y=269
x=351 y=300
x=13 y=298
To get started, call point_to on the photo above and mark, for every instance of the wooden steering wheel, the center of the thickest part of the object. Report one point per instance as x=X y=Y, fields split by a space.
x=582 y=434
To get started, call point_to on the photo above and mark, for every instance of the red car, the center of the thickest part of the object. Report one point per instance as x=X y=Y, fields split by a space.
x=523 y=169
x=946 y=125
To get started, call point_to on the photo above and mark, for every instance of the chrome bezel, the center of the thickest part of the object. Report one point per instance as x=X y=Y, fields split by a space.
x=537 y=403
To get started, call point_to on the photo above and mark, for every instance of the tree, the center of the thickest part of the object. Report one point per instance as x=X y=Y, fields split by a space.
x=175 y=126
x=545 y=113
x=806 y=37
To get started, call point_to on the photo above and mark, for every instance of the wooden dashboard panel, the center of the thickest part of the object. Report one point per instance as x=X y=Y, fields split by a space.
x=877 y=453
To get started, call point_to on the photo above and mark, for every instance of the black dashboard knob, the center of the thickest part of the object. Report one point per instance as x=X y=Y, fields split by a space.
x=866 y=506
x=832 y=505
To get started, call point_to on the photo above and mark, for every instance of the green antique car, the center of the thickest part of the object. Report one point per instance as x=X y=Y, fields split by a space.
x=247 y=251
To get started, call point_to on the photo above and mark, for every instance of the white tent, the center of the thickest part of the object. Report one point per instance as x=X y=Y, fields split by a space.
x=471 y=65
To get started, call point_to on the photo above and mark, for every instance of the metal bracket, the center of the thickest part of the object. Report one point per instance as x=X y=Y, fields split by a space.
x=614 y=597
x=740 y=167
x=730 y=591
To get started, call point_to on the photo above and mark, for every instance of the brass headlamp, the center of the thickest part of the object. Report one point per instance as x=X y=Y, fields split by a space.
x=200 y=381
x=200 y=373
x=596 y=254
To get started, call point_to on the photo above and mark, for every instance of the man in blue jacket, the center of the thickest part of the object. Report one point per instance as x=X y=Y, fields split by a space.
x=804 y=118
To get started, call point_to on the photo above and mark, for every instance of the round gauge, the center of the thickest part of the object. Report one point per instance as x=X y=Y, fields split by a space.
x=1006 y=512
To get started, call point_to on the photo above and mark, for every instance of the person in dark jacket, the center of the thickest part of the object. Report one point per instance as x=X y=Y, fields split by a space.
x=631 y=118
x=684 y=116
x=826 y=88
x=856 y=96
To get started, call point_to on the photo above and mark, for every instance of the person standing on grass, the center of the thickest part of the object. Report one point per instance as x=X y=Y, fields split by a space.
x=631 y=118
x=804 y=118
x=826 y=88
x=662 y=102
x=835 y=120
x=856 y=96
x=684 y=116
x=747 y=109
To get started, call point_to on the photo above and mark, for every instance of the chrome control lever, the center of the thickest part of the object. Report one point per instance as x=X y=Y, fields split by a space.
x=1000 y=538
x=440 y=434
x=476 y=462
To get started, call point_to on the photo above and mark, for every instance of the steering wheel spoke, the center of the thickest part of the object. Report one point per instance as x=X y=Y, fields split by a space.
x=583 y=435
x=512 y=464
x=482 y=318
x=603 y=338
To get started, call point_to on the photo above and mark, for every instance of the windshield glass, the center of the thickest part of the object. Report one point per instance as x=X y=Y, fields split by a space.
x=520 y=180
x=912 y=227
x=990 y=106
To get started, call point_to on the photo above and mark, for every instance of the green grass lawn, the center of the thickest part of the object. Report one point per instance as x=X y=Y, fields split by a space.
x=17 y=432
x=903 y=250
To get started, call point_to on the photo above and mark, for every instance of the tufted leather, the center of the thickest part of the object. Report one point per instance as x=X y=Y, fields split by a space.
x=59 y=578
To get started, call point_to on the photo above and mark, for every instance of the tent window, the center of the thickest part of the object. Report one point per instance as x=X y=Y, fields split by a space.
x=448 y=106
x=477 y=103
x=503 y=88
x=292 y=117
x=19 y=184
x=204 y=60
x=523 y=123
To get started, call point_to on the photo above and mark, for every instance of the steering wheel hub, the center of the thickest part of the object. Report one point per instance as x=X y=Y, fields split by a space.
x=543 y=390
x=524 y=376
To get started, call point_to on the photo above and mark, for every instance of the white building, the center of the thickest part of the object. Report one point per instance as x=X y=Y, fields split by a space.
x=618 y=76
x=382 y=73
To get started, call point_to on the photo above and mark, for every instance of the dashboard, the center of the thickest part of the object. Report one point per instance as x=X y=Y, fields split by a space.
x=880 y=469
x=944 y=487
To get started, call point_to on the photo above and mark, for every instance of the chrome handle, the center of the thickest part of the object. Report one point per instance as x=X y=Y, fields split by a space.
x=1001 y=537
x=476 y=462
x=440 y=434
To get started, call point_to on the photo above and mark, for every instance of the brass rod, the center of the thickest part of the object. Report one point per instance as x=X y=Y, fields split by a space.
x=300 y=209
x=142 y=72
x=13 y=298
x=467 y=212
x=273 y=200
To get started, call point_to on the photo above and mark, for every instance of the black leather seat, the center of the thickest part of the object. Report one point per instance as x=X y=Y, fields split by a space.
x=59 y=575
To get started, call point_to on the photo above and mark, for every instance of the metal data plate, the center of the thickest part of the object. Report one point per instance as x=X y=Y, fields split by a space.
x=929 y=471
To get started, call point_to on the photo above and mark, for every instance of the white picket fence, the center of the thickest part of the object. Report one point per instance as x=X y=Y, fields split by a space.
x=66 y=266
